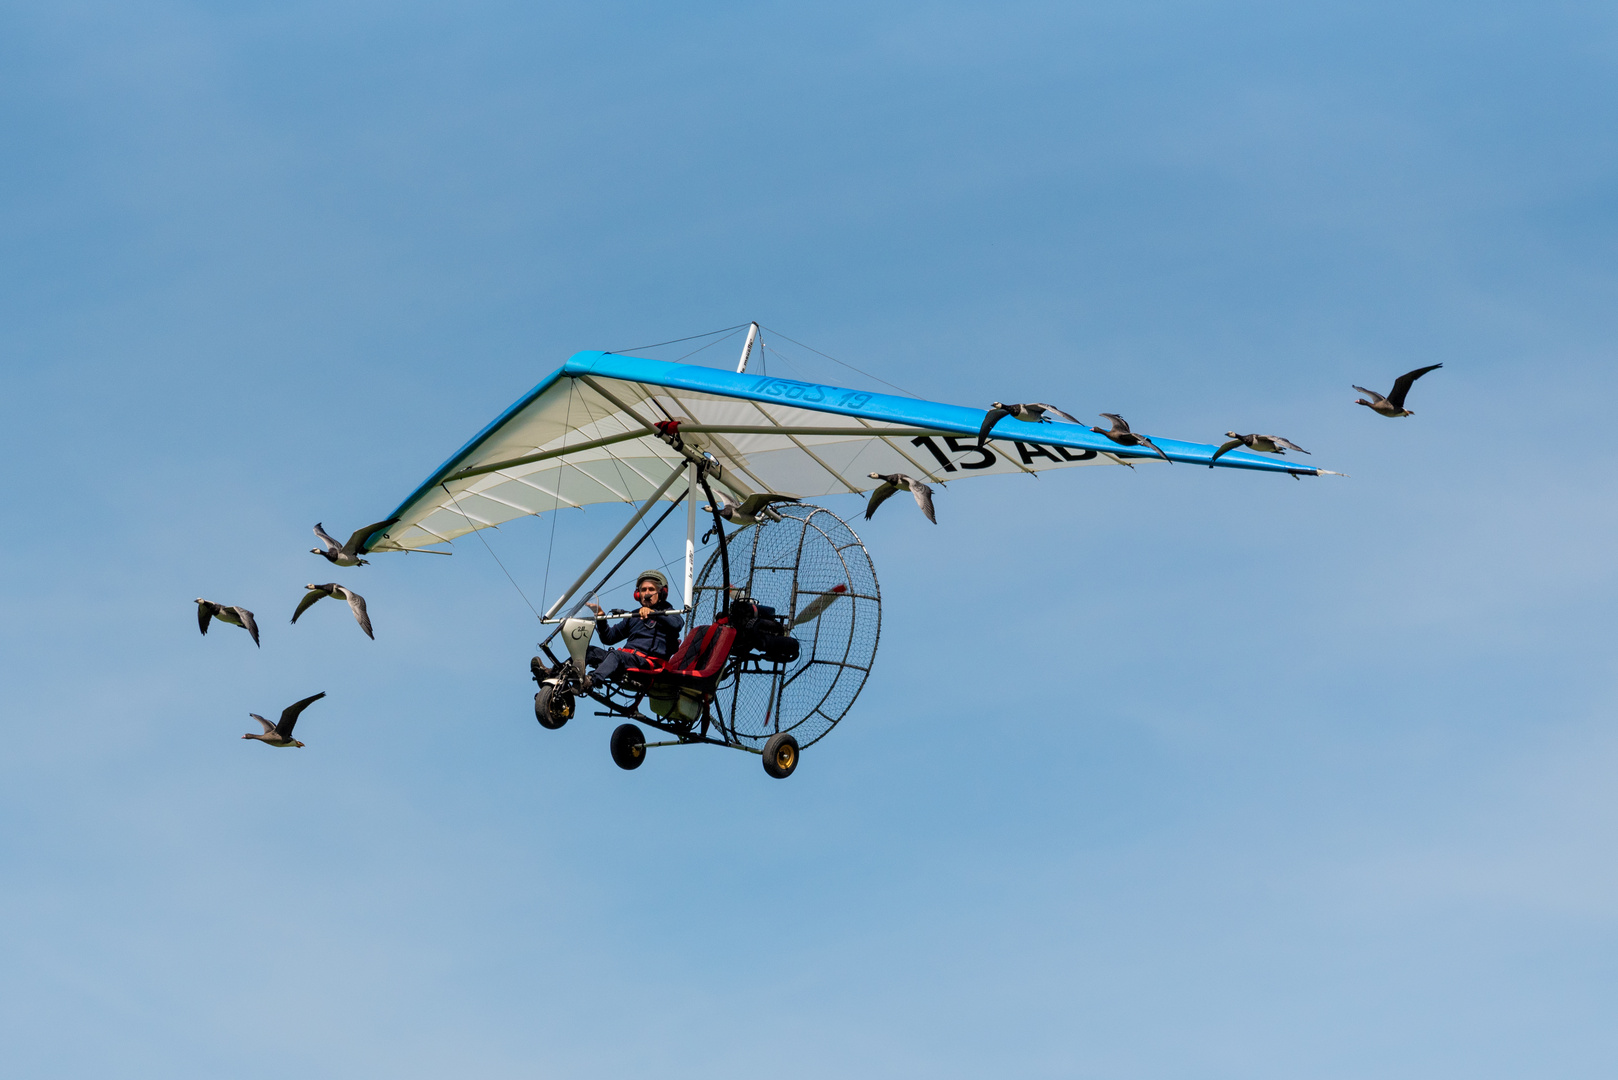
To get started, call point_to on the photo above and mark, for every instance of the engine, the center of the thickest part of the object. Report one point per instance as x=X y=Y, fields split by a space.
x=761 y=633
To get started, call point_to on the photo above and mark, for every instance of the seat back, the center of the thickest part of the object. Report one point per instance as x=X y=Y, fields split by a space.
x=702 y=654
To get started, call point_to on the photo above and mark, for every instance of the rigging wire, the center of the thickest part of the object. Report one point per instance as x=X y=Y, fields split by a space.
x=489 y=549
x=567 y=429
x=619 y=467
x=787 y=360
x=717 y=341
x=676 y=341
x=619 y=565
x=850 y=367
x=665 y=567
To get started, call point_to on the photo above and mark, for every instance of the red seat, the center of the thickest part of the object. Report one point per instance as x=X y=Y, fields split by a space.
x=700 y=657
x=703 y=653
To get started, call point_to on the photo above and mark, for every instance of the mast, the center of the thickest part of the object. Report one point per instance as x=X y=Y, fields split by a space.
x=747 y=350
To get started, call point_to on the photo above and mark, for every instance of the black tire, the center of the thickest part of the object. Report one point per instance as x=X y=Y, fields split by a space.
x=553 y=707
x=628 y=746
x=781 y=755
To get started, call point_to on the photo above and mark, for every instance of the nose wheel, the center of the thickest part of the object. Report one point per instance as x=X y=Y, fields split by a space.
x=553 y=707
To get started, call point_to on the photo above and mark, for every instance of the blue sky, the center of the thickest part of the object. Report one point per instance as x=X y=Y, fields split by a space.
x=1161 y=773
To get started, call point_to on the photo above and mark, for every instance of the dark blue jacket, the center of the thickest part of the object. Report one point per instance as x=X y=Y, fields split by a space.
x=656 y=635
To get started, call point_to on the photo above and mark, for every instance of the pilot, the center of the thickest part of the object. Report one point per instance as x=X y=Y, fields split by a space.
x=651 y=631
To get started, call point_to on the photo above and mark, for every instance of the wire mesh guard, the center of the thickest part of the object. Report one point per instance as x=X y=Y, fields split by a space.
x=794 y=565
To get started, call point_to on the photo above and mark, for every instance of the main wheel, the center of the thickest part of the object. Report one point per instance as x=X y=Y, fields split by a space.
x=781 y=755
x=553 y=707
x=628 y=746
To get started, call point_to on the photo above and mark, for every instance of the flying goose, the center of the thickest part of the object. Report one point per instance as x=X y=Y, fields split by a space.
x=1270 y=444
x=356 y=603
x=281 y=734
x=1121 y=435
x=347 y=554
x=235 y=616
x=1394 y=404
x=751 y=510
x=1032 y=413
x=892 y=482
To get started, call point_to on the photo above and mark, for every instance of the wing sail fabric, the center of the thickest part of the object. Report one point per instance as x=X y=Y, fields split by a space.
x=583 y=436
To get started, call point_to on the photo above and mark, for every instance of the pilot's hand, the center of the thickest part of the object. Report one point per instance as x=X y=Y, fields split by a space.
x=646 y=612
x=595 y=607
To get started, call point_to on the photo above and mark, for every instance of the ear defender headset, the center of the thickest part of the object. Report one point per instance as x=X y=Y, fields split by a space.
x=657 y=578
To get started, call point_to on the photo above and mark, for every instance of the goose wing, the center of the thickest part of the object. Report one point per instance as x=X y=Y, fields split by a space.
x=991 y=418
x=1119 y=424
x=247 y=622
x=1288 y=444
x=1372 y=394
x=1053 y=409
x=883 y=492
x=327 y=538
x=754 y=503
x=289 y=715
x=1223 y=448
x=924 y=499
x=309 y=599
x=356 y=543
x=269 y=728
x=1401 y=385
x=1144 y=441
x=356 y=604
x=204 y=616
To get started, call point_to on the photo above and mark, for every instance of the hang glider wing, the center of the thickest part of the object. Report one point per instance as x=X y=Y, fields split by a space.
x=587 y=434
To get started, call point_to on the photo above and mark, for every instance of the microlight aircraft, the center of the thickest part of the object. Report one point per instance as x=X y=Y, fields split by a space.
x=785 y=616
